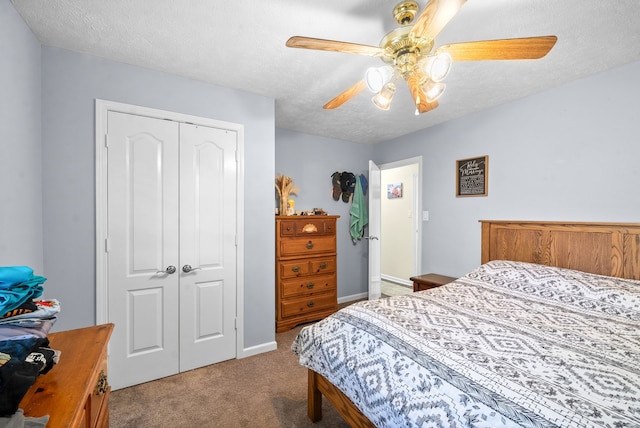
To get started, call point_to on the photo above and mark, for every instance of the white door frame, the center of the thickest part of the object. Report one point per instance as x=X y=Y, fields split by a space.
x=417 y=209
x=374 y=279
x=101 y=109
x=417 y=215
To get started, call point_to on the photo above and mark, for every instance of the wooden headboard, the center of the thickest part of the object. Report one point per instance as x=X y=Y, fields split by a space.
x=611 y=249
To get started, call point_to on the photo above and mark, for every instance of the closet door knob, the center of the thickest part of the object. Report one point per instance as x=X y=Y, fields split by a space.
x=169 y=270
x=188 y=268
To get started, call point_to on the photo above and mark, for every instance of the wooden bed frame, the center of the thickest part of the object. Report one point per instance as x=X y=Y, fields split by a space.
x=611 y=249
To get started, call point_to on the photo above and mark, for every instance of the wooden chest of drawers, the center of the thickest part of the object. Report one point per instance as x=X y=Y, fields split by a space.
x=306 y=284
x=75 y=393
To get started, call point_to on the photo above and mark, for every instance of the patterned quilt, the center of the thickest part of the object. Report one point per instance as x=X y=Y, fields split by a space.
x=508 y=345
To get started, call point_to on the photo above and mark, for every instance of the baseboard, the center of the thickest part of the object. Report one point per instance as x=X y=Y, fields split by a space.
x=401 y=281
x=258 y=349
x=272 y=346
x=352 y=297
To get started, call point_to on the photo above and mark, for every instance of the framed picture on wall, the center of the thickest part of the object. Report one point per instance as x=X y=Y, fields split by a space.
x=394 y=191
x=472 y=176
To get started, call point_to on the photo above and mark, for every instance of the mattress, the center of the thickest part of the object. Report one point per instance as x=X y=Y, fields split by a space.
x=509 y=344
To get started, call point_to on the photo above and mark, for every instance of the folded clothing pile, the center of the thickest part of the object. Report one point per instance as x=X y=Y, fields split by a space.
x=24 y=325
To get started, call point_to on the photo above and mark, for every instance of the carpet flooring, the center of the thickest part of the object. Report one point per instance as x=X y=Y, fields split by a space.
x=392 y=289
x=266 y=390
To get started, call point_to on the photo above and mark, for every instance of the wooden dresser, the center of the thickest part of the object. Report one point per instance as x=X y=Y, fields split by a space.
x=306 y=285
x=75 y=392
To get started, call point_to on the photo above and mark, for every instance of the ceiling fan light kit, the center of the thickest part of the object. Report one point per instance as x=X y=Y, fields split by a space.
x=377 y=77
x=433 y=90
x=382 y=99
x=438 y=66
x=408 y=52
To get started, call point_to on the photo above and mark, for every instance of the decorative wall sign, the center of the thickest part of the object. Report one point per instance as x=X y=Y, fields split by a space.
x=394 y=190
x=472 y=176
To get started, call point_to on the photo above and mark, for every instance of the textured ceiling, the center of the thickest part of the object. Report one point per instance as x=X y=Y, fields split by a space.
x=241 y=44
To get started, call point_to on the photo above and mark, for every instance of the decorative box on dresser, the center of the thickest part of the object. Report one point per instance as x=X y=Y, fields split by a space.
x=306 y=284
x=75 y=392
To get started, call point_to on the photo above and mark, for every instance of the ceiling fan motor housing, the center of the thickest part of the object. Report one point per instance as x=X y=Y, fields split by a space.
x=405 y=12
x=403 y=52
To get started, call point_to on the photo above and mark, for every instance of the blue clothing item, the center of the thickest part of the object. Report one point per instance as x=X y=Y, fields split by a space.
x=364 y=183
x=12 y=298
x=12 y=275
x=359 y=217
x=19 y=349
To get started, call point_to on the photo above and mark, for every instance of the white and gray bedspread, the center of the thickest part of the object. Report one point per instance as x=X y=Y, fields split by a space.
x=510 y=344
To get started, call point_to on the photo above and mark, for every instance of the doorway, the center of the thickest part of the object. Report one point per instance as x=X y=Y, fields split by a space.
x=401 y=225
x=167 y=217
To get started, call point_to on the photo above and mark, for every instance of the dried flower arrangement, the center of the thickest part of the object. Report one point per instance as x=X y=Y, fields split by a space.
x=285 y=187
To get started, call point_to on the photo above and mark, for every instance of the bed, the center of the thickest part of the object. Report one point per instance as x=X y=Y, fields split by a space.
x=543 y=333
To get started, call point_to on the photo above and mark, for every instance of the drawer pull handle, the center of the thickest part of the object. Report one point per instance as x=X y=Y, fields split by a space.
x=296 y=269
x=309 y=245
x=102 y=385
x=310 y=285
x=310 y=228
x=310 y=304
x=323 y=265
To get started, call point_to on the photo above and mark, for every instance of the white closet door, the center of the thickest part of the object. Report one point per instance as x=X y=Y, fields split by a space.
x=171 y=247
x=142 y=248
x=207 y=245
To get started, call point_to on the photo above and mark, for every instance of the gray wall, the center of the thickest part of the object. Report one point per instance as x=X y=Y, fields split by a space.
x=20 y=153
x=71 y=83
x=310 y=160
x=567 y=154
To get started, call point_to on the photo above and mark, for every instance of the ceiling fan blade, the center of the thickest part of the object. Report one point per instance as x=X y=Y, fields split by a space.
x=435 y=16
x=333 y=46
x=345 y=95
x=523 y=48
x=425 y=106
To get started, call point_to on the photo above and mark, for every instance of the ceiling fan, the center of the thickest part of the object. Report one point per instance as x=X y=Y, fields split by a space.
x=408 y=53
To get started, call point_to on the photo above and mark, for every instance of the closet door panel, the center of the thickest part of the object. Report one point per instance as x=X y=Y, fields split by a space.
x=207 y=245
x=142 y=245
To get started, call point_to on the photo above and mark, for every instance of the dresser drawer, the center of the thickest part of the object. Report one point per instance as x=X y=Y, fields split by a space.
x=308 y=285
x=323 y=265
x=302 y=246
x=96 y=414
x=287 y=228
x=99 y=399
x=308 y=305
x=306 y=226
x=294 y=268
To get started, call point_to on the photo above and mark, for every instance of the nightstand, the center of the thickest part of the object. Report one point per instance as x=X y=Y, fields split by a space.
x=430 y=280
